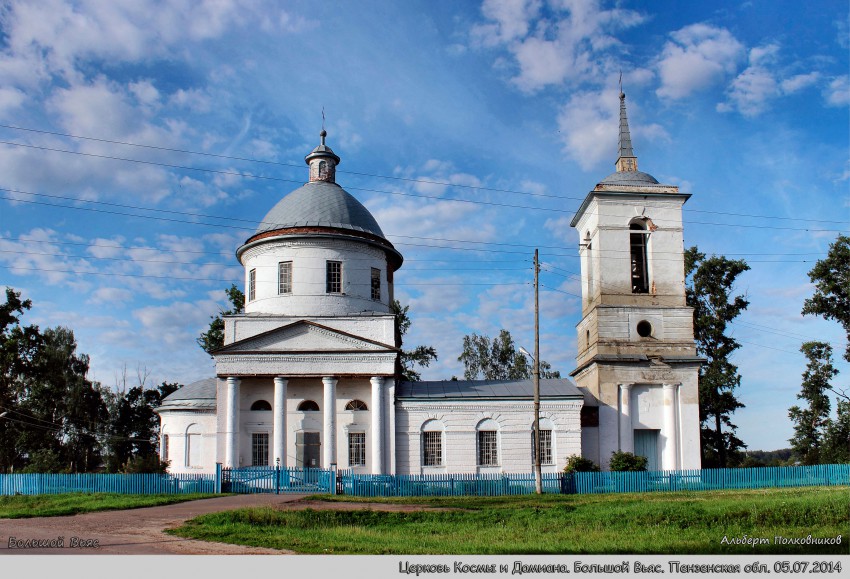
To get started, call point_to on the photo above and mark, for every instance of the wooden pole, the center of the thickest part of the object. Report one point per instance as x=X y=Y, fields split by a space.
x=538 y=473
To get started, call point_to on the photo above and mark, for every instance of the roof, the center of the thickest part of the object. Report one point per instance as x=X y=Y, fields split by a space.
x=630 y=178
x=198 y=395
x=486 y=389
x=320 y=204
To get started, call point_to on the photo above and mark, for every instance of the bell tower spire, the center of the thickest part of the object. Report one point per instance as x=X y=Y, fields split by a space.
x=626 y=161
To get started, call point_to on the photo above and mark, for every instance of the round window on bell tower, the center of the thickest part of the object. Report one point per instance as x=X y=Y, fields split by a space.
x=644 y=329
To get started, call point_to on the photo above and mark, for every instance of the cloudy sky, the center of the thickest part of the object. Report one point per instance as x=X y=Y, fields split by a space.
x=142 y=142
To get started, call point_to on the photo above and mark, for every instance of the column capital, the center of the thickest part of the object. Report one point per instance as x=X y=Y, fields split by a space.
x=626 y=386
x=671 y=386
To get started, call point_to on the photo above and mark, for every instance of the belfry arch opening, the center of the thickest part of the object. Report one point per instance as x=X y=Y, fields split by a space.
x=638 y=257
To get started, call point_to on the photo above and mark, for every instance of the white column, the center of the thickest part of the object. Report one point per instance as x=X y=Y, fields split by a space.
x=377 y=425
x=670 y=429
x=627 y=435
x=231 y=424
x=279 y=425
x=329 y=436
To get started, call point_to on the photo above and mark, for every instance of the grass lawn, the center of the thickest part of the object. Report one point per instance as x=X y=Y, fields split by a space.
x=23 y=506
x=662 y=523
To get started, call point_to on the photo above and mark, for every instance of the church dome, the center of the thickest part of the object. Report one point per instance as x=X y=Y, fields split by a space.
x=320 y=204
x=629 y=178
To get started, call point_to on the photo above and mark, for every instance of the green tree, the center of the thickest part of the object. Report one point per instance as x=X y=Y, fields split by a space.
x=409 y=359
x=498 y=359
x=213 y=338
x=836 y=440
x=810 y=422
x=709 y=292
x=576 y=463
x=831 y=277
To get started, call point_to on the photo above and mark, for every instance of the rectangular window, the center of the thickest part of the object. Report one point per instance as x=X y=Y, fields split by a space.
x=164 y=452
x=376 y=284
x=334 y=277
x=260 y=449
x=356 y=449
x=432 y=448
x=488 y=448
x=545 y=447
x=252 y=285
x=284 y=277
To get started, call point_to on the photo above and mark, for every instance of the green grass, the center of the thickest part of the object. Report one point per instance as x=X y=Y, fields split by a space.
x=681 y=523
x=24 y=506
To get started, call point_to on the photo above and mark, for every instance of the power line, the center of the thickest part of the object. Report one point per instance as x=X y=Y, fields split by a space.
x=362 y=174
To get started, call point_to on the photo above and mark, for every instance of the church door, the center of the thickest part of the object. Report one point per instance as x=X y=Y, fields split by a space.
x=646 y=444
x=307 y=447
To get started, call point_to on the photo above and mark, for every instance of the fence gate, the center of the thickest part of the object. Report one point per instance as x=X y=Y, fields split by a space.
x=277 y=480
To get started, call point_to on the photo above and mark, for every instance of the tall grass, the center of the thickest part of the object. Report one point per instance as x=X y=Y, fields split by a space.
x=628 y=523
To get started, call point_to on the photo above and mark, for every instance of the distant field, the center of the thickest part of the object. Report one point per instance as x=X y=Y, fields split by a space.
x=680 y=523
x=23 y=506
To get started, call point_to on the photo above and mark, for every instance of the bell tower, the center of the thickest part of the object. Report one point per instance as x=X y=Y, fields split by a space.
x=637 y=363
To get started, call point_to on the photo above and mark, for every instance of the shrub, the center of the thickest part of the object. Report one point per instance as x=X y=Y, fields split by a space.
x=145 y=464
x=626 y=461
x=576 y=463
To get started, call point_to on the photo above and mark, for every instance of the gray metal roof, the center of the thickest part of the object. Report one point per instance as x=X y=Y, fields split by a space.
x=320 y=204
x=200 y=395
x=486 y=389
x=630 y=178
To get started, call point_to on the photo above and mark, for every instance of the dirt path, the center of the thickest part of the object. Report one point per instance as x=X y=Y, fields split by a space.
x=140 y=531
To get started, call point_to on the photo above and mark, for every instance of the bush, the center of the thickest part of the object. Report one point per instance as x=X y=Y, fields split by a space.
x=145 y=464
x=626 y=461
x=576 y=463
x=45 y=461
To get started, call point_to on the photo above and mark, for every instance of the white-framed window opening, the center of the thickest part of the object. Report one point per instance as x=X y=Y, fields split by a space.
x=356 y=449
x=488 y=448
x=545 y=447
x=376 y=284
x=284 y=277
x=639 y=262
x=259 y=449
x=432 y=448
x=252 y=285
x=333 y=280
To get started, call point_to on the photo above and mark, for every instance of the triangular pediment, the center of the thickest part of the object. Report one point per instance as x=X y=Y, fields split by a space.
x=304 y=336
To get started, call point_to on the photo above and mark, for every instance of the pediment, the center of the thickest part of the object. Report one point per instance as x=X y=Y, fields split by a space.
x=304 y=336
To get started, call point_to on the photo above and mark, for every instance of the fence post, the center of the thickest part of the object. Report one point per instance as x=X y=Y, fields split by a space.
x=217 y=482
x=333 y=479
x=277 y=476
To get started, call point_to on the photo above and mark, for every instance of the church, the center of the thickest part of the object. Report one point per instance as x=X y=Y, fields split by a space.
x=308 y=374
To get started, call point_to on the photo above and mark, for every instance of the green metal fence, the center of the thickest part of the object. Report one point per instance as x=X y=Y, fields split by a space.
x=144 y=484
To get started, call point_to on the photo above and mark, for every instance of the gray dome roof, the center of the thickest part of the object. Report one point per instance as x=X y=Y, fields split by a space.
x=629 y=178
x=320 y=204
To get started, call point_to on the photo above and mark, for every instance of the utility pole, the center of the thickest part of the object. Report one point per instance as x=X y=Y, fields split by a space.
x=538 y=474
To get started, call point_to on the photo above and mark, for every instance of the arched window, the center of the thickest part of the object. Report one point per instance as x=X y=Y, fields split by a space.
x=547 y=427
x=261 y=405
x=323 y=170
x=432 y=443
x=308 y=406
x=640 y=273
x=488 y=442
x=356 y=405
x=193 y=445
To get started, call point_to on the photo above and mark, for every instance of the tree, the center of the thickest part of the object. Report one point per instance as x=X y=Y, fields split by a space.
x=576 y=463
x=213 y=339
x=831 y=277
x=836 y=440
x=811 y=421
x=498 y=359
x=709 y=293
x=408 y=359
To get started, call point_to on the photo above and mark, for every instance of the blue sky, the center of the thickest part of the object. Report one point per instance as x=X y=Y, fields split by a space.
x=471 y=131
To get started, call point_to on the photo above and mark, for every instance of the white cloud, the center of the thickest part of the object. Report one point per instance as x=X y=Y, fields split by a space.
x=799 y=82
x=10 y=99
x=110 y=295
x=569 y=45
x=750 y=92
x=837 y=93
x=697 y=56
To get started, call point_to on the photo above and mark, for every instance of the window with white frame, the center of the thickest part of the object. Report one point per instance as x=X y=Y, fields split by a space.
x=333 y=280
x=357 y=405
x=356 y=449
x=432 y=448
x=545 y=447
x=284 y=277
x=259 y=449
x=376 y=284
x=488 y=448
x=252 y=285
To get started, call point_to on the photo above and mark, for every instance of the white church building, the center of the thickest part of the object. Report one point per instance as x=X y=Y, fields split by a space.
x=308 y=374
